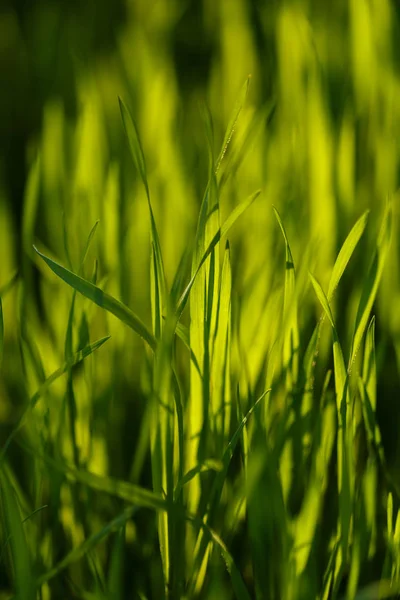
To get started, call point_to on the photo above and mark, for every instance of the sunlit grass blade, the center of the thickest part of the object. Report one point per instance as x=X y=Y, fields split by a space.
x=9 y=285
x=207 y=465
x=307 y=520
x=215 y=494
x=220 y=367
x=77 y=553
x=236 y=157
x=115 y=583
x=371 y=284
x=157 y=267
x=135 y=145
x=183 y=333
x=21 y=558
x=346 y=253
x=238 y=585
x=230 y=221
x=31 y=205
x=291 y=336
x=129 y=492
x=102 y=299
x=233 y=122
x=344 y=439
x=74 y=360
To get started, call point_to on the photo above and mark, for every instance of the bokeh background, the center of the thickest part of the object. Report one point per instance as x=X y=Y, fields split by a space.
x=319 y=135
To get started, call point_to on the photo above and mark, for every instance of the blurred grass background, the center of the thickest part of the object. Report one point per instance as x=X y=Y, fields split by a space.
x=319 y=134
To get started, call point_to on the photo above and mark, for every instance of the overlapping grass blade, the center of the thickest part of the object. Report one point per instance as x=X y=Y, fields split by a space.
x=346 y=253
x=74 y=360
x=9 y=285
x=230 y=221
x=1 y=332
x=220 y=367
x=82 y=550
x=102 y=299
x=157 y=267
x=371 y=284
x=238 y=585
x=291 y=335
x=344 y=440
x=215 y=495
x=233 y=122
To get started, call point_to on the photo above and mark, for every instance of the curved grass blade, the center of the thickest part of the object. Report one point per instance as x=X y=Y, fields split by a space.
x=88 y=544
x=371 y=284
x=10 y=283
x=210 y=535
x=102 y=299
x=344 y=439
x=291 y=335
x=74 y=360
x=215 y=494
x=230 y=221
x=207 y=465
x=232 y=122
x=346 y=252
x=129 y=492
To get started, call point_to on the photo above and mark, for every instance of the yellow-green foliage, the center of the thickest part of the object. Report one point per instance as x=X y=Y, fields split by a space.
x=200 y=351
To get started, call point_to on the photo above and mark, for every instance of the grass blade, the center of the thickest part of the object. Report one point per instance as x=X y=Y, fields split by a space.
x=371 y=284
x=233 y=122
x=135 y=145
x=1 y=332
x=102 y=299
x=74 y=360
x=158 y=283
x=230 y=221
x=346 y=252
x=291 y=335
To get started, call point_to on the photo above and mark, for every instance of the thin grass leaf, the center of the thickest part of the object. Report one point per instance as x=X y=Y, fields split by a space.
x=230 y=221
x=238 y=585
x=183 y=334
x=158 y=272
x=215 y=495
x=84 y=549
x=233 y=122
x=371 y=284
x=9 y=285
x=129 y=492
x=323 y=300
x=115 y=583
x=207 y=465
x=102 y=299
x=74 y=360
x=291 y=336
x=1 y=333
x=346 y=252
x=344 y=440
x=220 y=366
x=135 y=145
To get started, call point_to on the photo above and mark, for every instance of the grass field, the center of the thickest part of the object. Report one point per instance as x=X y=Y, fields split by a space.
x=200 y=339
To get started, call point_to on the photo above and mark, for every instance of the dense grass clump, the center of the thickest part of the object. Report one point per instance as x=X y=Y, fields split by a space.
x=199 y=332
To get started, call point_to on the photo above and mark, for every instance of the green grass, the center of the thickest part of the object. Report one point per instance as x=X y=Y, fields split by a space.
x=199 y=346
